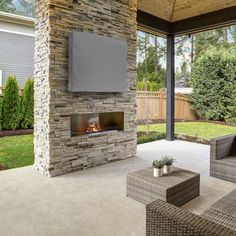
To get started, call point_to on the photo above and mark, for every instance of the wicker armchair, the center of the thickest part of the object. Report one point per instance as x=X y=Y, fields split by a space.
x=164 y=219
x=223 y=158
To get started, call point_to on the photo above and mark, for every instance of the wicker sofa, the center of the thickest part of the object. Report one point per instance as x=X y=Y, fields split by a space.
x=165 y=219
x=223 y=158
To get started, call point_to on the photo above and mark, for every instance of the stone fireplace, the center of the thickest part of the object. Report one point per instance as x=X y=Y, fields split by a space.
x=75 y=131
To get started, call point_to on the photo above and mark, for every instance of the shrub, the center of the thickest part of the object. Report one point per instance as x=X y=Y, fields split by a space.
x=213 y=79
x=10 y=107
x=231 y=113
x=27 y=105
x=141 y=85
x=150 y=137
x=148 y=85
x=153 y=86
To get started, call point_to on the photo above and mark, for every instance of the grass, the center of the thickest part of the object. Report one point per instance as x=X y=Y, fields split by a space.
x=16 y=151
x=201 y=130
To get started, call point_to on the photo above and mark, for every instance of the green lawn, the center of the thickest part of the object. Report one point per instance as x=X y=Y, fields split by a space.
x=202 y=130
x=16 y=151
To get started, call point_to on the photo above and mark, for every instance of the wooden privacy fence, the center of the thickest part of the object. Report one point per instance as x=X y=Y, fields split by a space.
x=152 y=105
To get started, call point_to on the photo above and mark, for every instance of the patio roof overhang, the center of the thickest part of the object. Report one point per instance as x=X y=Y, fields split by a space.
x=185 y=16
x=170 y=18
x=191 y=25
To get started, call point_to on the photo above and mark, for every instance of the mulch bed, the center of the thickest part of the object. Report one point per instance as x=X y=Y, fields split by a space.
x=5 y=133
x=152 y=122
x=3 y=167
x=178 y=137
x=192 y=139
x=144 y=133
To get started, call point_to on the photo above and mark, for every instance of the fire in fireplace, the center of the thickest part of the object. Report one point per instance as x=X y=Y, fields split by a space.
x=93 y=127
x=96 y=122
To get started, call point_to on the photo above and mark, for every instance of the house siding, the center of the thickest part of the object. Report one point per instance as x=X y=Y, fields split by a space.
x=16 y=56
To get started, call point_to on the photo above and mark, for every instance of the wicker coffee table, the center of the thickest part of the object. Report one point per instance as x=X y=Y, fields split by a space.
x=177 y=188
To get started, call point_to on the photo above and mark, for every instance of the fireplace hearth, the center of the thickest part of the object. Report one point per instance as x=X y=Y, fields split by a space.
x=95 y=123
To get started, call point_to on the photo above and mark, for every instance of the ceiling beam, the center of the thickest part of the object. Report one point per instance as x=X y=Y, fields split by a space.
x=153 y=23
x=204 y=22
x=191 y=25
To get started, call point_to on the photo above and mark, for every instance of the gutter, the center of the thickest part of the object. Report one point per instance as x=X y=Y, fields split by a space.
x=17 y=19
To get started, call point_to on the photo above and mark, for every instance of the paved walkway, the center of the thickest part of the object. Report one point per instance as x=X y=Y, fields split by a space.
x=93 y=202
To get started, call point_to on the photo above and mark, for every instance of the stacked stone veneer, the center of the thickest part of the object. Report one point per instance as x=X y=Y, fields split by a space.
x=56 y=151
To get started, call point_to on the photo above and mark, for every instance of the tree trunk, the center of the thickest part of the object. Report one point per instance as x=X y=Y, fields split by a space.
x=155 y=56
x=145 y=58
x=192 y=48
x=225 y=34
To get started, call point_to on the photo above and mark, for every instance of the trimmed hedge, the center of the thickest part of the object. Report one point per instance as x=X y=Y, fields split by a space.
x=11 y=105
x=27 y=105
x=213 y=79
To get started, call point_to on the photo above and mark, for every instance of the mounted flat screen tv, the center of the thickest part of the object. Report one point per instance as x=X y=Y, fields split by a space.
x=97 y=63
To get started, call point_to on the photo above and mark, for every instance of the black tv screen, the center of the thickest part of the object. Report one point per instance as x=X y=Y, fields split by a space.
x=97 y=63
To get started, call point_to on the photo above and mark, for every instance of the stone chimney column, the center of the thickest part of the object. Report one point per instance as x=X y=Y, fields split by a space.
x=56 y=150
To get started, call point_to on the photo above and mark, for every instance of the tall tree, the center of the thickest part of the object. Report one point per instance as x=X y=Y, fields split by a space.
x=143 y=44
x=155 y=55
x=7 y=6
x=192 y=48
x=212 y=38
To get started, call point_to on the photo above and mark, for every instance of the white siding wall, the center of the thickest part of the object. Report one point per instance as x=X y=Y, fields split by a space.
x=16 y=56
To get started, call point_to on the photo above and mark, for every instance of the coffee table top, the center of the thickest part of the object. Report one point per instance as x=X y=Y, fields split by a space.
x=177 y=176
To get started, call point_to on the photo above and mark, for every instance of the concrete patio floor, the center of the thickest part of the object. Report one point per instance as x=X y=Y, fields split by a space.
x=93 y=201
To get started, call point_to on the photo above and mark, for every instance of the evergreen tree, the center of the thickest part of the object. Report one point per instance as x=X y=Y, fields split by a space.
x=151 y=55
x=10 y=107
x=27 y=105
x=7 y=6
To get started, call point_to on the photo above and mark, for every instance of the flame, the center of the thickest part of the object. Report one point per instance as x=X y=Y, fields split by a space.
x=93 y=127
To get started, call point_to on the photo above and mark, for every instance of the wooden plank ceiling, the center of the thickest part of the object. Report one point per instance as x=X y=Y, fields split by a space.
x=174 y=10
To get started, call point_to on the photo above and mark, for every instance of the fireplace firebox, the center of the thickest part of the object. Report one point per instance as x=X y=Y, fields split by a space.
x=92 y=123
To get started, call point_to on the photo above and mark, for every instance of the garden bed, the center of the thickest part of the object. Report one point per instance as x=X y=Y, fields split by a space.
x=145 y=137
x=6 y=133
x=191 y=139
x=2 y=167
x=158 y=121
x=193 y=131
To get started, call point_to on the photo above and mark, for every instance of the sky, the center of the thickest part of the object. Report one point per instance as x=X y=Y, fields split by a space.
x=16 y=3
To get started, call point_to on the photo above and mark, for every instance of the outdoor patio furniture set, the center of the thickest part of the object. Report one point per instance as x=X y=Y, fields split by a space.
x=163 y=196
x=223 y=158
x=165 y=219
